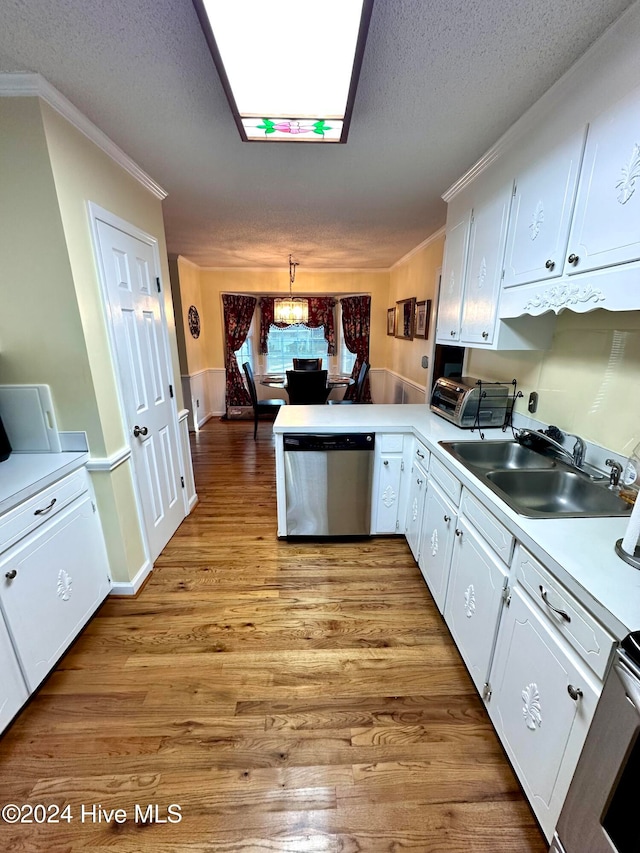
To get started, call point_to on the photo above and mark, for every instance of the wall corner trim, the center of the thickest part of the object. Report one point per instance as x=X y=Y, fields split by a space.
x=109 y=463
x=134 y=586
x=14 y=84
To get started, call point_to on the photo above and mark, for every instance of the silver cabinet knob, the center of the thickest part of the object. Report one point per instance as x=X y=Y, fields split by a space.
x=138 y=431
x=574 y=692
x=452 y=333
x=458 y=531
x=447 y=518
x=11 y=575
x=550 y=264
x=485 y=335
x=573 y=259
x=386 y=462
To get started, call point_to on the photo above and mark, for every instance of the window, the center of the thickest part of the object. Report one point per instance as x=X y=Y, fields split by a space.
x=244 y=353
x=296 y=341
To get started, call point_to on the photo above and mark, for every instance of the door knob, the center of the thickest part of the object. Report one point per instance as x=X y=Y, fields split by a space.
x=138 y=431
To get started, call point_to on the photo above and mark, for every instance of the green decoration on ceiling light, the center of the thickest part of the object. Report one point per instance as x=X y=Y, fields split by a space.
x=320 y=127
x=267 y=125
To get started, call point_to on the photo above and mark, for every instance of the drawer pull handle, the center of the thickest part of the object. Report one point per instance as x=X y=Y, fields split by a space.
x=421 y=455
x=561 y=613
x=447 y=518
x=574 y=692
x=46 y=509
x=458 y=531
x=11 y=575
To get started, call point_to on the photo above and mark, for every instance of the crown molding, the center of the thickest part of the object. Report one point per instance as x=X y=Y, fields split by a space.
x=14 y=84
x=431 y=239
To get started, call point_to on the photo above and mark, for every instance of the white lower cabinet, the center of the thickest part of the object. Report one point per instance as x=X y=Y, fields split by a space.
x=474 y=601
x=436 y=541
x=541 y=703
x=13 y=691
x=52 y=582
x=415 y=507
x=389 y=486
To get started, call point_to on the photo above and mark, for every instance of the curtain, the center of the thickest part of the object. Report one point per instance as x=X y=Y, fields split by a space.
x=238 y=311
x=320 y=314
x=356 y=312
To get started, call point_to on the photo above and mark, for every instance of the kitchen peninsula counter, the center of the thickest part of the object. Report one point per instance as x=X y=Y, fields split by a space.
x=578 y=551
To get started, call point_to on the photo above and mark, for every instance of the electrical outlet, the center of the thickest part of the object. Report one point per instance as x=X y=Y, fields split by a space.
x=533 y=402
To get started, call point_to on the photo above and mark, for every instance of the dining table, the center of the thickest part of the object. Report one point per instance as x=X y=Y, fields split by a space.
x=334 y=380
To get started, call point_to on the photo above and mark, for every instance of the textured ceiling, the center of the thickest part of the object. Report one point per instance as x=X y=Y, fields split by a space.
x=440 y=83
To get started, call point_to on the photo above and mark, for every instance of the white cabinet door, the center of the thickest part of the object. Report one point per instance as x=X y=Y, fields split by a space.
x=541 y=214
x=484 y=268
x=415 y=508
x=52 y=582
x=13 y=691
x=474 y=601
x=450 y=301
x=606 y=222
x=541 y=726
x=436 y=542
x=386 y=503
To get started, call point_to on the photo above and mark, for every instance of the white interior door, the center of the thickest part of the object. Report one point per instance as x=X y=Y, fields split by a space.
x=143 y=363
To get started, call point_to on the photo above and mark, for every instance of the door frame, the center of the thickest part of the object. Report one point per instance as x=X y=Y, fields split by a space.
x=100 y=214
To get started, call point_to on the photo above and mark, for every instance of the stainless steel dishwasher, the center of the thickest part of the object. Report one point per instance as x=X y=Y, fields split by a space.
x=328 y=483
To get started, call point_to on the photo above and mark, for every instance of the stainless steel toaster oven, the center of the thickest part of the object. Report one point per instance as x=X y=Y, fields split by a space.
x=468 y=402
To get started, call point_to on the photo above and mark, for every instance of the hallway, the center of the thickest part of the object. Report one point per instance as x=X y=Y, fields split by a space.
x=297 y=698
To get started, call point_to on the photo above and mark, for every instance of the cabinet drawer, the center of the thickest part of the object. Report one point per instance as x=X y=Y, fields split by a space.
x=390 y=442
x=421 y=455
x=447 y=481
x=35 y=511
x=494 y=533
x=586 y=635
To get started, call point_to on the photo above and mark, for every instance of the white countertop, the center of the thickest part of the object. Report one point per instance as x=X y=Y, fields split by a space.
x=25 y=474
x=578 y=551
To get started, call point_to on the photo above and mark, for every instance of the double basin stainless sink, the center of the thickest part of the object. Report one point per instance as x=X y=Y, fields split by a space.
x=535 y=485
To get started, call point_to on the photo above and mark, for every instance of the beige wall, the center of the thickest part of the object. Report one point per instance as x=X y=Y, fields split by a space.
x=416 y=277
x=193 y=352
x=41 y=335
x=588 y=380
x=216 y=282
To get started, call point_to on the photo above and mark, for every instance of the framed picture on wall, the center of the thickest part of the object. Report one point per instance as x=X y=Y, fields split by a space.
x=391 y=321
x=406 y=309
x=423 y=316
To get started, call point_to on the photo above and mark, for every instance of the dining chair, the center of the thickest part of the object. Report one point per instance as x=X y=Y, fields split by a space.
x=359 y=387
x=260 y=407
x=307 y=364
x=307 y=386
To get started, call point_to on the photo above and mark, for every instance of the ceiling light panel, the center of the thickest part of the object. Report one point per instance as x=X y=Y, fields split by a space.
x=289 y=67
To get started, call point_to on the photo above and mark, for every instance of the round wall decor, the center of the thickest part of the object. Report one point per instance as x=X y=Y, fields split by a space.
x=194 y=321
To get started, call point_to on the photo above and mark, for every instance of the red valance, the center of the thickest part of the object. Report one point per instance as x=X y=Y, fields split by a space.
x=321 y=313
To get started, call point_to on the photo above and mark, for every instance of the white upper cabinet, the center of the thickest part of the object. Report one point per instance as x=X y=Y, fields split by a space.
x=543 y=199
x=606 y=223
x=484 y=267
x=455 y=255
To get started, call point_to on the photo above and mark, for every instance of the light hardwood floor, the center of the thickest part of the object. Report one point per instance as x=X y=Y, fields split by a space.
x=298 y=698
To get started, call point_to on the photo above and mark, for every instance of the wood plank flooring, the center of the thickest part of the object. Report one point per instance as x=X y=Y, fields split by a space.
x=297 y=698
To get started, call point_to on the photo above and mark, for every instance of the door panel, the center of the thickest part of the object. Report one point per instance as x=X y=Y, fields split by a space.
x=143 y=363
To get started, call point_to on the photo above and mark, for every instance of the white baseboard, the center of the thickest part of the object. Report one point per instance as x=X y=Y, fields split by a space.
x=132 y=587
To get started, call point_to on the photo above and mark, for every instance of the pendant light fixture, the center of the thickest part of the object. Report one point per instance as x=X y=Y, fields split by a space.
x=291 y=311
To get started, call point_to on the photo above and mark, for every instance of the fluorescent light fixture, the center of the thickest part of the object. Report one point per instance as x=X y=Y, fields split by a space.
x=289 y=68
